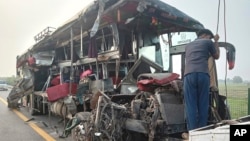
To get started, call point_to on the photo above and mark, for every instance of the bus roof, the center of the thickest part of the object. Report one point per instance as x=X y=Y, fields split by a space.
x=120 y=11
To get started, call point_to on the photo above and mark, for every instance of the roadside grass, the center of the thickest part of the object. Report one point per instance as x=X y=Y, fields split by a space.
x=237 y=98
x=238 y=107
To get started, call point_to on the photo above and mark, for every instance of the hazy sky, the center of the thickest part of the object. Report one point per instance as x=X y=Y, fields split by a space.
x=21 y=20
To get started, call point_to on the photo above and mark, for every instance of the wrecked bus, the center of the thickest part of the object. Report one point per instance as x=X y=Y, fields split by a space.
x=111 y=70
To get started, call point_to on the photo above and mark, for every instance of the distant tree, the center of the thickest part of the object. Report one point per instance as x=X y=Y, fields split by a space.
x=11 y=80
x=237 y=79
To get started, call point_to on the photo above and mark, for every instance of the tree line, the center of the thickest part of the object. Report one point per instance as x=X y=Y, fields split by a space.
x=9 y=80
x=236 y=80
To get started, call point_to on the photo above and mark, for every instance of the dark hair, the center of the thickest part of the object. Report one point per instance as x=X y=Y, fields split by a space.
x=205 y=31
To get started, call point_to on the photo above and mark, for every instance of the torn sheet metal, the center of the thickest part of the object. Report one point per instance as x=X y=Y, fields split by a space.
x=97 y=21
x=44 y=58
x=22 y=88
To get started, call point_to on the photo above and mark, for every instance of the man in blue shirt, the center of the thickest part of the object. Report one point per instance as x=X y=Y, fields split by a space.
x=196 y=77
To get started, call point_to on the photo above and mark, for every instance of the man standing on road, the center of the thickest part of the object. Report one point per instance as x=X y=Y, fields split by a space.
x=196 y=77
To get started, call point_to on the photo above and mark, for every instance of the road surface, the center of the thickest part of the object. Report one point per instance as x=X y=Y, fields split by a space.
x=19 y=125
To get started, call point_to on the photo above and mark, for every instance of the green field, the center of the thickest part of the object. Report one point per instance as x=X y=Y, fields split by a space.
x=237 y=98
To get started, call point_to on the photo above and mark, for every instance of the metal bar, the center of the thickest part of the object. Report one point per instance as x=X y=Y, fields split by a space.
x=71 y=64
x=97 y=68
x=61 y=75
x=98 y=110
x=248 y=101
x=81 y=42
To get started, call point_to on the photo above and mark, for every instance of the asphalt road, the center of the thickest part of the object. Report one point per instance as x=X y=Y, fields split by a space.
x=19 y=125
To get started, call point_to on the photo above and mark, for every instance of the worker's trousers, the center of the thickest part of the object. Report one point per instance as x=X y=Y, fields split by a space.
x=196 y=96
